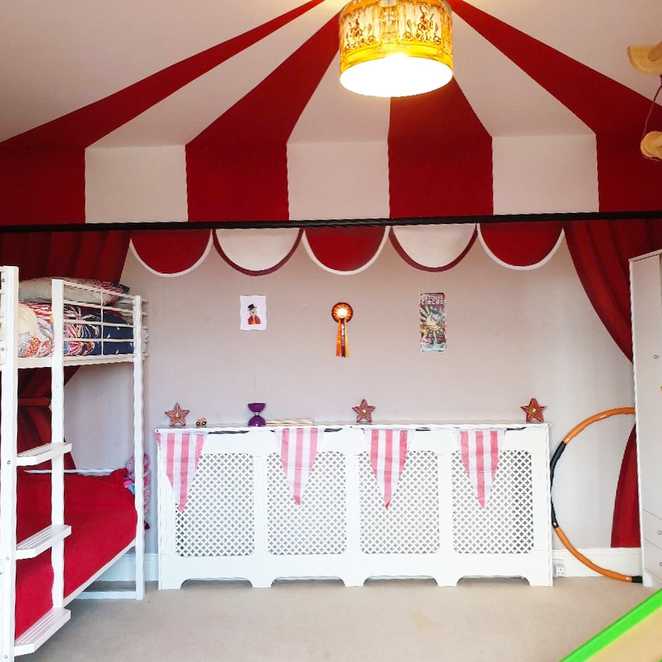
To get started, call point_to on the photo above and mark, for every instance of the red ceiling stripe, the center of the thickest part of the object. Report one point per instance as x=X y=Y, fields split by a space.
x=521 y=244
x=613 y=111
x=43 y=170
x=345 y=249
x=440 y=156
x=86 y=125
x=170 y=253
x=440 y=163
x=237 y=167
x=40 y=185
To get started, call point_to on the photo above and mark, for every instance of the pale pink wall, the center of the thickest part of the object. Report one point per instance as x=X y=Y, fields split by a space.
x=511 y=335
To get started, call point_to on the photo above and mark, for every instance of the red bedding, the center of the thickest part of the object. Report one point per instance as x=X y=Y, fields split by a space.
x=102 y=516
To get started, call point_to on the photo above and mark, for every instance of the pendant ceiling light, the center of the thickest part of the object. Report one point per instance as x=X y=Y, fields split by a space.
x=395 y=48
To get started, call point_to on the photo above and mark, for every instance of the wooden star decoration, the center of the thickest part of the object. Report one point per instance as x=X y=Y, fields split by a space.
x=534 y=412
x=177 y=416
x=364 y=412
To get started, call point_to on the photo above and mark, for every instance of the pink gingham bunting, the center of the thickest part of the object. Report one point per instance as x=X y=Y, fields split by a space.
x=182 y=456
x=298 y=452
x=480 y=457
x=388 y=454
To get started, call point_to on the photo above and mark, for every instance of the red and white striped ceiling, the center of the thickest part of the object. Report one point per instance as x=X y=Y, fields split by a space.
x=232 y=110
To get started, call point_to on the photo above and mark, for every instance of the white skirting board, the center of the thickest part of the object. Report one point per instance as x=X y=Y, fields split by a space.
x=622 y=559
x=626 y=560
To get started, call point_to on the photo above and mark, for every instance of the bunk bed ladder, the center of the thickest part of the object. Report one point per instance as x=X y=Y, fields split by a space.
x=8 y=453
x=53 y=536
x=57 y=441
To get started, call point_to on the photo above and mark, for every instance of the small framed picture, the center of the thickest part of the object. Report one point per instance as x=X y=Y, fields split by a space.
x=253 y=312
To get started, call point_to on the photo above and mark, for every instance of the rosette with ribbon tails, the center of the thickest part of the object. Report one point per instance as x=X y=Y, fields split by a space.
x=342 y=313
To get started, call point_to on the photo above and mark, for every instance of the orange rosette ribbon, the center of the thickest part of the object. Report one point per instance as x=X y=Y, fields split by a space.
x=342 y=313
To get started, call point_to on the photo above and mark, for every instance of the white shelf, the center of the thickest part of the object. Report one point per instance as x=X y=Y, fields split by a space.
x=42 y=454
x=41 y=541
x=41 y=631
x=92 y=359
x=99 y=360
x=423 y=426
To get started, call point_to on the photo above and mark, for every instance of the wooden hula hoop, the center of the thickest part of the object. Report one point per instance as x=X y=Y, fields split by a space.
x=578 y=429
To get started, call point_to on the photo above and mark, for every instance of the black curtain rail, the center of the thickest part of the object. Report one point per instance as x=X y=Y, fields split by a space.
x=336 y=222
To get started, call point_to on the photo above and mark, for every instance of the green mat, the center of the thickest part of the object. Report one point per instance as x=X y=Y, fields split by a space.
x=616 y=629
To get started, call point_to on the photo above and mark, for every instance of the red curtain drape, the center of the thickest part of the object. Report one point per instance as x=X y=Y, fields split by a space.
x=600 y=251
x=98 y=255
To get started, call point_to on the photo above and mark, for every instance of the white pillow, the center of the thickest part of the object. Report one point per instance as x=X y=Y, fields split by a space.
x=40 y=289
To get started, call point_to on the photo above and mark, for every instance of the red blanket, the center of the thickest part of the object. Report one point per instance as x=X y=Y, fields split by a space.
x=102 y=516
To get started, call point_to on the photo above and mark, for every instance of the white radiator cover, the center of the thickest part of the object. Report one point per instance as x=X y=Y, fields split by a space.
x=240 y=521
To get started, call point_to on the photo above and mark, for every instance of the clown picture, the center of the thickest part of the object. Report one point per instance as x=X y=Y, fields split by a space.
x=253 y=313
x=253 y=317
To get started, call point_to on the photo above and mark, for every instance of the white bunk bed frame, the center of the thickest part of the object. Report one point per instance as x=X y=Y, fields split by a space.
x=54 y=535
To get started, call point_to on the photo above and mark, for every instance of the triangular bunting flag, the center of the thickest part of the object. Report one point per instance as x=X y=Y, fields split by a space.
x=182 y=456
x=388 y=454
x=298 y=452
x=480 y=457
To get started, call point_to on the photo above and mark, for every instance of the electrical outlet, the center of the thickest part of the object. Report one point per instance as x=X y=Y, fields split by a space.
x=559 y=569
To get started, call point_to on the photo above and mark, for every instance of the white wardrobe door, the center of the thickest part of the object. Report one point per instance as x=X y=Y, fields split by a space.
x=647 y=332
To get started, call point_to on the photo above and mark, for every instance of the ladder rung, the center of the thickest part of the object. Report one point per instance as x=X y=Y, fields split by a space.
x=41 y=631
x=42 y=454
x=41 y=541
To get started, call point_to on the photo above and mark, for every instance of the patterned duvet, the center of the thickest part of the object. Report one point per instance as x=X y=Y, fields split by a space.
x=35 y=331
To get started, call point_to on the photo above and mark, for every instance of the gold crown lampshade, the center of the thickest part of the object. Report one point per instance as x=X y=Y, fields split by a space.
x=396 y=48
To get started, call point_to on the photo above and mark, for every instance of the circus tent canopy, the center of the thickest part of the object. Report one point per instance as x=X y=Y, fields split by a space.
x=232 y=110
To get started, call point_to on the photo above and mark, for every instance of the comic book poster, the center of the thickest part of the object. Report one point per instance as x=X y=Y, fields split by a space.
x=432 y=321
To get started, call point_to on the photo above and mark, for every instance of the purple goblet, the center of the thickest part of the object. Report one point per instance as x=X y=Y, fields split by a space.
x=256 y=420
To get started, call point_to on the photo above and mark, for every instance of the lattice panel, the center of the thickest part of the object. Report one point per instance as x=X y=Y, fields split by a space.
x=318 y=525
x=219 y=517
x=505 y=525
x=410 y=525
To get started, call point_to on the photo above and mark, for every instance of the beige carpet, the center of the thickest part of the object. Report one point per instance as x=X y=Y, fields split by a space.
x=383 y=621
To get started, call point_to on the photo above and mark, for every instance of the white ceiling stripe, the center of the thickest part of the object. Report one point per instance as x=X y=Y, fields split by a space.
x=338 y=155
x=545 y=174
x=256 y=250
x=184 y=114
x=335 y=115
x=135 y=184
x=434 y=246
x=507 y=101
x=338 y=180
x=59 y=56
x=594 y=32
